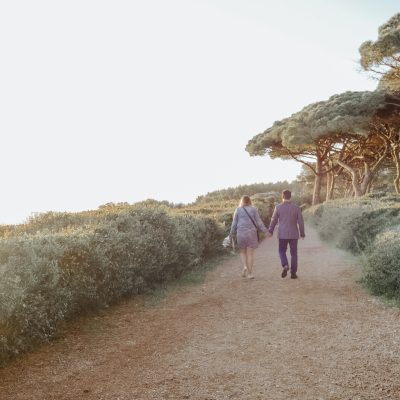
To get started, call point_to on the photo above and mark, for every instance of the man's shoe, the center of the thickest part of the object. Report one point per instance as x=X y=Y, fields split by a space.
x=293 y=276
x=285 y=271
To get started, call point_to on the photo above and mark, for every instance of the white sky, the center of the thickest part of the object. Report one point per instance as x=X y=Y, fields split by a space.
x=110 y=101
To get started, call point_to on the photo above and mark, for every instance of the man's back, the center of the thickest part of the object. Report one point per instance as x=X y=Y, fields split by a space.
x=290 y=221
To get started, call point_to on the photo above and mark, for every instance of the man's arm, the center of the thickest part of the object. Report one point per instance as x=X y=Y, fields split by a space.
x=274 y=221
x=300 y=222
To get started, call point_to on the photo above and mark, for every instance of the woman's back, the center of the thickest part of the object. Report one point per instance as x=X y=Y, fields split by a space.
x=244 y=221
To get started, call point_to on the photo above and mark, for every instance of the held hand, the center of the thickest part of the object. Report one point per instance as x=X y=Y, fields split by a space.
x=302 y=237
x=269 y=234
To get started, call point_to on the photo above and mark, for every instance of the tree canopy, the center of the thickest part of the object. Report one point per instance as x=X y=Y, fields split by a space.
x=349 y=112
x=317 y=133
x=382 y=57
x=352 y=136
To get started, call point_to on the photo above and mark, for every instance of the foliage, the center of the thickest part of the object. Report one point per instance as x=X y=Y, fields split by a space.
x=235 y=193
x=368 y=226
x=382 y=56
x=51 y=275
x=59 y=265
x=329 y=137
x=222 y=211
x=382 y=265
x=348 y=112
x=353 y=224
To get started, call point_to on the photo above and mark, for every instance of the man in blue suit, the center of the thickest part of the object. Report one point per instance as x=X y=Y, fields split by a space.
x=291 y=227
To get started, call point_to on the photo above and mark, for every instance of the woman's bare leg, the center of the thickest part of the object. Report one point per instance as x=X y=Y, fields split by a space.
x=250 y=259
x=243 y=256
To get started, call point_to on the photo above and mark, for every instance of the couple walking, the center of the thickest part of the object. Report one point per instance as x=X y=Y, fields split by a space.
x=247 y=221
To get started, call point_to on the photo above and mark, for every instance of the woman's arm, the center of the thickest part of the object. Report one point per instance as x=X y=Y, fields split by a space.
x=259 y=222
x=234 y=223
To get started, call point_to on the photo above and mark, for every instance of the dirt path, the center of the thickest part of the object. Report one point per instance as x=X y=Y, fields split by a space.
x=318 y=337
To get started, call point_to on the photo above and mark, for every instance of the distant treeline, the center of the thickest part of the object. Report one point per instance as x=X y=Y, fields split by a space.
x=235 y=193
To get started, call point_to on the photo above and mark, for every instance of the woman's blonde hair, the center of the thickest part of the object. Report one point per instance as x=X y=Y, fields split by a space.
x=245 y=201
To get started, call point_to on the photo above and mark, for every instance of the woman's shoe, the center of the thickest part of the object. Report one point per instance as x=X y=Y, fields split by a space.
x=244 y=272
x=250 y=276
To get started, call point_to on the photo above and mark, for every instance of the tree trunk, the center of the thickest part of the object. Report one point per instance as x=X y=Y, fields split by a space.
x=317 y=182
x=354 y=180
x=317 y=189
x=397 y=183
x=396 y=159
x=367 y=179
x=330 y=185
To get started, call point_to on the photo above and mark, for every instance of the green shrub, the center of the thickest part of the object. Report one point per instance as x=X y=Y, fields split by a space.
x=367 y=226
x=46 y=278
x=59 y=265
x=352 y=224
x=31 y=303
x=265 y=204
x=382 y=265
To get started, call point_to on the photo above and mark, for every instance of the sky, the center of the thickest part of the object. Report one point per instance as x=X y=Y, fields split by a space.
x=120 y=101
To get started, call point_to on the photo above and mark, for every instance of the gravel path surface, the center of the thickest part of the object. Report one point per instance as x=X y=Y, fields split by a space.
x=318 y=337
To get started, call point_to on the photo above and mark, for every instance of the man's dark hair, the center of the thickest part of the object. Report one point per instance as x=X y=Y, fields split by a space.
x=286 y=194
